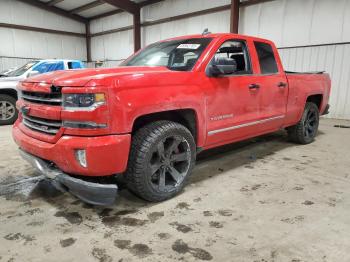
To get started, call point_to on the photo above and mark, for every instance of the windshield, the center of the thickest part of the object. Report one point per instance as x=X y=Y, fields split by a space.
x=23 y=69
x=178 y=55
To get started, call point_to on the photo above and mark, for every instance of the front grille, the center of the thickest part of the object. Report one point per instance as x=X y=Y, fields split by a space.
x=46 y=126
x=54 y=98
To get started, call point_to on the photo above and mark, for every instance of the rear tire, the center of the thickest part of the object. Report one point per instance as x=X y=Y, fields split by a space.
x=161 y=159
x=305 y=130
x=8 y=111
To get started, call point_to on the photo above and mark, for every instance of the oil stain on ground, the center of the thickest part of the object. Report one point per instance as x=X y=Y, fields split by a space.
x=216 y=224
x=67 y=242
x=115 y=220
x=180 y=227
x=164 y=236
x=19 y=236
x=154 y=216
x=225 y=212
x=140 y=250
x=72 y=217
x=101 y=255
x=181 y=247
x=183 y=205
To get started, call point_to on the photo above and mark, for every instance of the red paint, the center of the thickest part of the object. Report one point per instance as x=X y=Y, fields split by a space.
x=136 y=91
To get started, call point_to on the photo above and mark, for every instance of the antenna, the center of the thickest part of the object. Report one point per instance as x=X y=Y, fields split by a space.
x=206 y=32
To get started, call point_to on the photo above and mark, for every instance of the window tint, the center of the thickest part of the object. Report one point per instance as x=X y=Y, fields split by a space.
x=267 y=59
x=238 y=52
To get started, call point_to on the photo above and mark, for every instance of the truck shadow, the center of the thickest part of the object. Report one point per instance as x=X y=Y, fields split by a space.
x=210 y=163
x=216 y=161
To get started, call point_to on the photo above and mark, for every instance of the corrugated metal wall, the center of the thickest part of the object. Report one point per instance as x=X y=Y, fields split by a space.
x=290 y=23
x=116 y=47
x=334 y=59
x=24 y=44
x=296 y=27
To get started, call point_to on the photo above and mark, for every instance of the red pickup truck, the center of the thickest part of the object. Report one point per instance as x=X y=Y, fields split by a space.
x=148 y=118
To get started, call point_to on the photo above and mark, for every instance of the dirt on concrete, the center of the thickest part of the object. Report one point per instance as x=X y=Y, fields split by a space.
x=264 y=199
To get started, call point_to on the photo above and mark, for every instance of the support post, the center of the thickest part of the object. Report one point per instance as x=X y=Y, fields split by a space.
x=137 y=30
x=234 y=16
x=88 y=41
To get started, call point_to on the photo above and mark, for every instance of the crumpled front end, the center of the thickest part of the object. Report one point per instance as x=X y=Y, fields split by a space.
x=92 y=193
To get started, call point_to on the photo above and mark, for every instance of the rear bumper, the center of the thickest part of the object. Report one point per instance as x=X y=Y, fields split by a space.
x=105 y=155
x=92 y=193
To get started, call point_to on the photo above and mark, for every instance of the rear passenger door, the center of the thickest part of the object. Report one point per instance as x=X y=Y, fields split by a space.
x=273 y=86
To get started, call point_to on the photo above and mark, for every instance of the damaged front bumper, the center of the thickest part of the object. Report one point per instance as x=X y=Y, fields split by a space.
x=92 y=193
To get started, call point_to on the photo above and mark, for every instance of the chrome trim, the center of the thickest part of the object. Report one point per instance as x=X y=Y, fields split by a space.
x=35 y=98
x=213 y=132
x=42 y=122
x=83 y=125
x=84 y=109
x=27 y=124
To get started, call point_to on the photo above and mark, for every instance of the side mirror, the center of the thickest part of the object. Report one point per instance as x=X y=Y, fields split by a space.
x=222 y=66
x=33 y=73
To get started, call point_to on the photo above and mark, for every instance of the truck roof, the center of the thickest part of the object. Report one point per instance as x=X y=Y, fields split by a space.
x=219 y=35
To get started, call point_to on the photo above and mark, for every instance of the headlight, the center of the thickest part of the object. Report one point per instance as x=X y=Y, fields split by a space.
x=83 y=101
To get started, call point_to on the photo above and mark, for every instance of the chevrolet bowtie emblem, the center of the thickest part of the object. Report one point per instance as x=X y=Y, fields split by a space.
x=25 y=110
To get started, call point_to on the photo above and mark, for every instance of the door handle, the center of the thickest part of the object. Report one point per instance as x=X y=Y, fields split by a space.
x=282 y=85
x=254 y=86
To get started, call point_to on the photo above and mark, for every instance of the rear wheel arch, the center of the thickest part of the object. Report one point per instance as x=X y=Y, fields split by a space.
x=316 y=99
x=186 y=117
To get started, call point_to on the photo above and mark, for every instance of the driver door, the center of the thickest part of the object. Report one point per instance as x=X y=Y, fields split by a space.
x=232 y=100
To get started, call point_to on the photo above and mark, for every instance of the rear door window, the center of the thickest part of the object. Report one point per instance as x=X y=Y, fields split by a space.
x=267 y=60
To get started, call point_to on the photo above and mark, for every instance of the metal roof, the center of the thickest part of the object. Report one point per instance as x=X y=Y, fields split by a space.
x=89 y=9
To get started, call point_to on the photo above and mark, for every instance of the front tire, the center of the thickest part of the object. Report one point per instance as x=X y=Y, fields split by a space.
x=161 y=159
x=8 y=111
x=305 y=130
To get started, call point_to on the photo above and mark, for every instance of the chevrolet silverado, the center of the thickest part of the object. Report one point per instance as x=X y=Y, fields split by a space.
x=147 y=119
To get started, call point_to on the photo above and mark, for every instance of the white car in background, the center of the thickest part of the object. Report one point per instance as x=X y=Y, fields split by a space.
x=8 y=83
x=7 y=71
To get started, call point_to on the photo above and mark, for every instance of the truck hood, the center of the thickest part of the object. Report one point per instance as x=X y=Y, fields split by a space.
x=10 y=79
x=81 y=77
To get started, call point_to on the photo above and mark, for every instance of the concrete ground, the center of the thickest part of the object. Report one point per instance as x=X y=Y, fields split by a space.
x=260 y=200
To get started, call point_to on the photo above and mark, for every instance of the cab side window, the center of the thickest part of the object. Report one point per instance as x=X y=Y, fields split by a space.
x=237 y=51
x=267 y=60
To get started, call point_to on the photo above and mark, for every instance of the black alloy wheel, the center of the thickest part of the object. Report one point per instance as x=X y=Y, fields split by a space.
x=169 y=163
x=162 y=157
x=305 y=131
